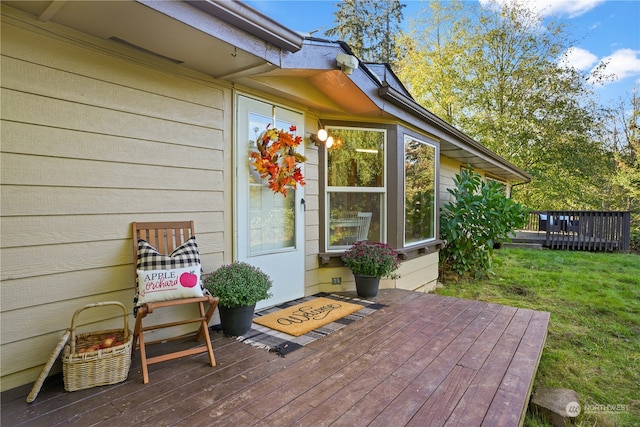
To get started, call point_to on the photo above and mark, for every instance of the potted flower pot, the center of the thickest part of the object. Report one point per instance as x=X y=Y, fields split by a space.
x=367 y=286
x=369 y=262
x=239 y=286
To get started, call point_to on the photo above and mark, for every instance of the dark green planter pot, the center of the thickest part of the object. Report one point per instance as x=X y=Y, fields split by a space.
x=367 y=286
x=236 y=321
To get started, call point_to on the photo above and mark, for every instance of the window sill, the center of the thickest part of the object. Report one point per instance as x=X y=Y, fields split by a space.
x=333 y=259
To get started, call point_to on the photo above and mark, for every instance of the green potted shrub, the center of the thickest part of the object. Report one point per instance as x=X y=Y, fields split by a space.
x=369 y=262
x=239 y=286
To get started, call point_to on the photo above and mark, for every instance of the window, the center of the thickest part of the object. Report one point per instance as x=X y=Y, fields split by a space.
x=355 y=186
x=419 y=191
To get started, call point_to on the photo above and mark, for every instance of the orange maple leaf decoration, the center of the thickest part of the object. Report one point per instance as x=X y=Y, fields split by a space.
x=277 y=160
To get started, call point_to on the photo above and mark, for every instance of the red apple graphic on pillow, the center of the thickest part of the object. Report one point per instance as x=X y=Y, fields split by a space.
x=188 y=280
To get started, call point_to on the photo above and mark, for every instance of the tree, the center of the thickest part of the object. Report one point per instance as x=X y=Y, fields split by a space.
x=369 y=27
x=622 y=137
x=494 y=73
x=432 y=63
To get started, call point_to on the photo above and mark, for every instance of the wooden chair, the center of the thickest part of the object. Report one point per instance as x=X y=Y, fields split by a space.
x=364 y=222
x=165 y=237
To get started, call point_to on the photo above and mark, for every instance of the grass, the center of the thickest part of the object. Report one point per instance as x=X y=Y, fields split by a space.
x=593 y=342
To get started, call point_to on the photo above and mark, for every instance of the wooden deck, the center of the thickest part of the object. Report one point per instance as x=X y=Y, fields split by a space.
x=577 y=230
x=424 y=360
x=566 y=241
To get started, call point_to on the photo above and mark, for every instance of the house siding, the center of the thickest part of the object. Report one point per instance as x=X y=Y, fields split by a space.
x=93 y=140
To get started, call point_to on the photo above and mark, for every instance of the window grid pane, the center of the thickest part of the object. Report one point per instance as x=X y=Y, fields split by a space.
x=356 y=186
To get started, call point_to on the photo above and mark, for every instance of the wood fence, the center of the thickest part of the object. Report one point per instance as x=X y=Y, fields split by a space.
x=583 y=230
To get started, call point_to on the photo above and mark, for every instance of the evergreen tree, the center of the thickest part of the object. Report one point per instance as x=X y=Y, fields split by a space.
x=369 y=27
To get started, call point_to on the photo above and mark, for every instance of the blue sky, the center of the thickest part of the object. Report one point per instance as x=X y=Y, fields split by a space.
x=604 y=30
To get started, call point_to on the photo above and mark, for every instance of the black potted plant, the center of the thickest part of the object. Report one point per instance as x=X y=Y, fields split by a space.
x=369 y=262
x=239 y=286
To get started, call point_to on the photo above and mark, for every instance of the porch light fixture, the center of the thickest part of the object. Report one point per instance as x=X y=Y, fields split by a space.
x=322 y=138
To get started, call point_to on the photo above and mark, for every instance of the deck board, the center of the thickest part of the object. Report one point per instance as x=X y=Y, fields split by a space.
x=422 y=360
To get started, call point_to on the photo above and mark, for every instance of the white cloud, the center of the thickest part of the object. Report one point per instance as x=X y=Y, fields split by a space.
x=596 y=25
x=622 y=63
x=571 y=8
x=578 y=58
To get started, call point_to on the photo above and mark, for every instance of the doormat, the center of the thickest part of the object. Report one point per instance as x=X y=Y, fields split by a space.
x=301 y=318
x=282 y=343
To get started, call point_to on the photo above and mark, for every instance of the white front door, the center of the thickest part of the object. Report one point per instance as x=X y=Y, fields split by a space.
x=269 y=228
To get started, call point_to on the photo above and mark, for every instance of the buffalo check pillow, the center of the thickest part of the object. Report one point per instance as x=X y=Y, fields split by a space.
x=168 y=277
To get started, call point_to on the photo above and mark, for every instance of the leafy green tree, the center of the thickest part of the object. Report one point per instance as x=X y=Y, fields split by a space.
x=432 y=58
x=479 y=217
x=622 y=136
x=369 y=27
x=494 y=73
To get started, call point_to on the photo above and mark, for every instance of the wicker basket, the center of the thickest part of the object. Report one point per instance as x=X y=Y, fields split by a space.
x=85 y=366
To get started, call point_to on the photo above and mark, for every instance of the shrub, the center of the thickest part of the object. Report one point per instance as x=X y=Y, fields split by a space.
x=479 y=217
x=238 y=284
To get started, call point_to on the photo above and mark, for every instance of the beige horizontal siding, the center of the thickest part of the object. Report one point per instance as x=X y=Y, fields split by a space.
x=29 y=108
x=67 y=143
x=448 y=170
x=19 y=231
x=419 y=274
x=94 y=137
x=62 y=49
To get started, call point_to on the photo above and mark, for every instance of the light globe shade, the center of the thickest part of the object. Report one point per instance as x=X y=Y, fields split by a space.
x=322 y=135
x=329 y=142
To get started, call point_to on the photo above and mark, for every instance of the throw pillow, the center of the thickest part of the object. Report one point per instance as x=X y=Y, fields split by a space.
x=166 y=277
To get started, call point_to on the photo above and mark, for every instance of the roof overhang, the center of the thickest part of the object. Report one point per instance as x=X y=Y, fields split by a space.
x=459 y=146
x=234 y=42
x=216 y=38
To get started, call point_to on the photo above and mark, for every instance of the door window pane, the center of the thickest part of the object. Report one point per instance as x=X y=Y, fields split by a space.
x=272 y=219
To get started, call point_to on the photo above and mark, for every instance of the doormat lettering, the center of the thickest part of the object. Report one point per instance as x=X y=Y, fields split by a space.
x=306 y=316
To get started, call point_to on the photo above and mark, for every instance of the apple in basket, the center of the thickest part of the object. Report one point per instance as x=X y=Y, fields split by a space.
x=94 y=347
x=108 y=341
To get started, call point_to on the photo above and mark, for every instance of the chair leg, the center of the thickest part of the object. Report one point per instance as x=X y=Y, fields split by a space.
x=143 y=360
x=213 y=303
x=204 y=331
x=138 y=337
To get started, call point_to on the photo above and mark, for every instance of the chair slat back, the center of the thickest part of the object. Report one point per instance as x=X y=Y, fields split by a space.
x=364 y=222
x=164 y=236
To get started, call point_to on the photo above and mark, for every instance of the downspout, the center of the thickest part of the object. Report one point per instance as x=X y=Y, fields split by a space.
x=517 y=183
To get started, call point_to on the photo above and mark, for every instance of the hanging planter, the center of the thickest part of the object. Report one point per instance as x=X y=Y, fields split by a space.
x=277 y=160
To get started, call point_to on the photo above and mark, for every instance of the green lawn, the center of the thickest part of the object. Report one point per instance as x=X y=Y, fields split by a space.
x=593 y=344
